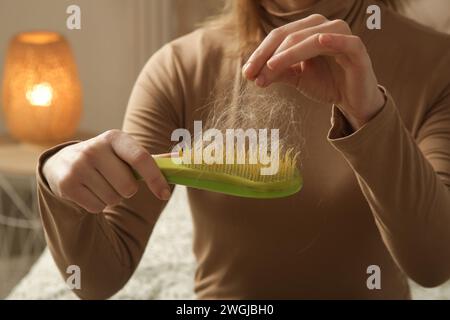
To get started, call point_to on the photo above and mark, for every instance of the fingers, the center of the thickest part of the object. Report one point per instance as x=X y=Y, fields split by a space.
x=96 y=173
x=348 y=49
x=117 y=173
x=349 y=46
x=305 y=50
x=86 y=199
x=335 y=26
x=270 y=44
x=279 y=56
x=138 y=158
x=270 y=74
x=320 y=44
x=98 y=185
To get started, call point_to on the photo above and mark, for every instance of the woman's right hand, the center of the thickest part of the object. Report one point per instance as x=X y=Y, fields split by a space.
x=97 y=173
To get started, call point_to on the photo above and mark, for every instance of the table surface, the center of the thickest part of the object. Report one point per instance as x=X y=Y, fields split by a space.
x=21 y=159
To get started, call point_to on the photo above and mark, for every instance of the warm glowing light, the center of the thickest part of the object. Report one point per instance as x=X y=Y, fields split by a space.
x=40 y=95
x=39 y=37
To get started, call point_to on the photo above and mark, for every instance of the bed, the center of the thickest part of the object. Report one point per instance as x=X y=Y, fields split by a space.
x=165 y=272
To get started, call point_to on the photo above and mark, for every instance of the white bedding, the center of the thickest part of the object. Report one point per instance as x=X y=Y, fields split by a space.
x=165 y=272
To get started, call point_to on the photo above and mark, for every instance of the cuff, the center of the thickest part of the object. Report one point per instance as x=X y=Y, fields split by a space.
x=344 y=139
x=42 y=181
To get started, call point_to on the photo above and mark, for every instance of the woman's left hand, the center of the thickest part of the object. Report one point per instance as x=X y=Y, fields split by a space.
x=325 y=61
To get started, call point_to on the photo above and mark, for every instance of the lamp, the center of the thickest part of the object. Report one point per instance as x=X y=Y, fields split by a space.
x=41 y=89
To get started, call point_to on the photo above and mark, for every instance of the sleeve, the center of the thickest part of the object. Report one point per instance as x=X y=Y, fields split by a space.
x=406 y=182
x=108 y=247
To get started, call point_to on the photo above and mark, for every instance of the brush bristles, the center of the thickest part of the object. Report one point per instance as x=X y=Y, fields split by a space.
x=286 y=169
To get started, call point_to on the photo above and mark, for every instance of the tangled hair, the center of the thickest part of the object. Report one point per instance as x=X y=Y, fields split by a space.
x=256 y=108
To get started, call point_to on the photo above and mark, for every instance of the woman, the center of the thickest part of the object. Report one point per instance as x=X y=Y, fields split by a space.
x=376 y=184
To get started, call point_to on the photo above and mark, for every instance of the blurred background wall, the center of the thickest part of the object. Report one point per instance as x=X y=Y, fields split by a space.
x=116 y=39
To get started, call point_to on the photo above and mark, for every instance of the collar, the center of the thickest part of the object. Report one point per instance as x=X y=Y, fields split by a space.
x=274 y=16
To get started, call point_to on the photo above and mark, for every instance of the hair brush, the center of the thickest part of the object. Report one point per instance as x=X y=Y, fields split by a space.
x=242 y=180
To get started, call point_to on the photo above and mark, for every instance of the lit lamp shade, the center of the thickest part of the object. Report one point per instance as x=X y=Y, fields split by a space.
x=41 y=89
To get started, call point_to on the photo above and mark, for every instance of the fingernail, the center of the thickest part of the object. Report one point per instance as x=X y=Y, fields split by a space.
x=245 y=69
x=271 y=64
x=261 y=81
x=165 y=194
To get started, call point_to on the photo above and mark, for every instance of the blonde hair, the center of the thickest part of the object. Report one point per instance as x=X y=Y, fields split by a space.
x=252 y=107
x=242 y=18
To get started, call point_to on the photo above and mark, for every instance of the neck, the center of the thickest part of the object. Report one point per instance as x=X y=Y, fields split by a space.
x=293 y=5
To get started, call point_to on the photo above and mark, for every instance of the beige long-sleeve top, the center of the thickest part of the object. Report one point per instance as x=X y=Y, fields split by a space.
x=378 y=196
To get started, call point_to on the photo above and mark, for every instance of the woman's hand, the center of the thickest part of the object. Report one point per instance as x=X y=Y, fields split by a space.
x=97 y=173
x=323 y=60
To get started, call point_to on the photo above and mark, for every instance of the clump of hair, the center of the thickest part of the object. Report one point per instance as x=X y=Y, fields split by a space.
x=256 y=108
